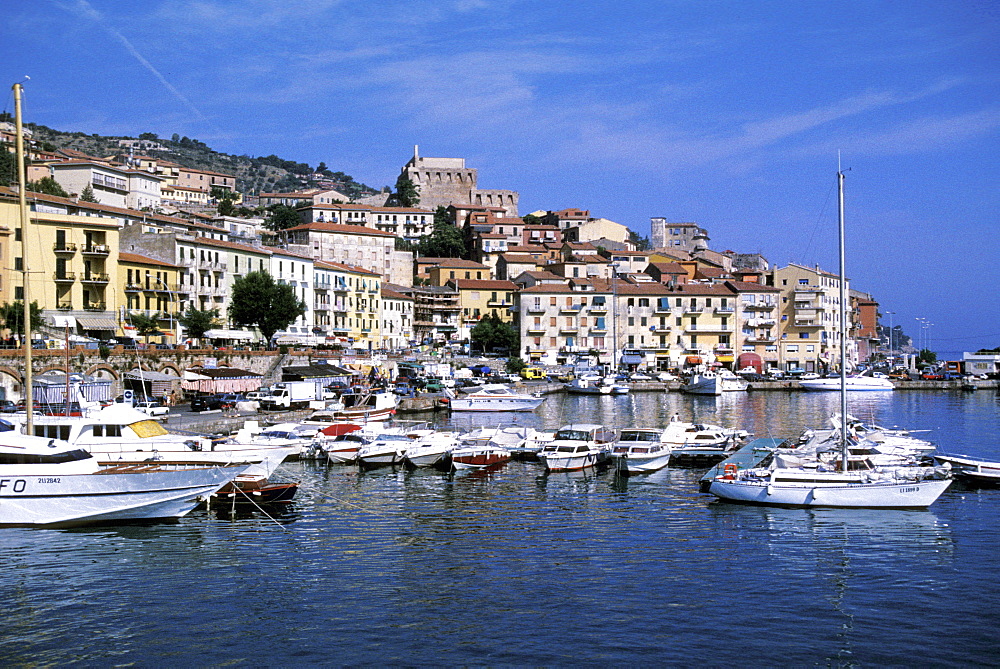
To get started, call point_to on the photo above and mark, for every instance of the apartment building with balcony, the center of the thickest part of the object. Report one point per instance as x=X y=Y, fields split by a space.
x=397 y=318
x=150 y=288
x=347 y=306
x=809 y=318
x=71 y=255
x=480 y=298
x=355 y=245
x=758 y=334
x=112 y=185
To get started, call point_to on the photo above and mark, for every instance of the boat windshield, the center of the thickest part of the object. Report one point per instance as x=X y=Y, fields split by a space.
x=636 y=435
x=148 y=428
x=572 y=435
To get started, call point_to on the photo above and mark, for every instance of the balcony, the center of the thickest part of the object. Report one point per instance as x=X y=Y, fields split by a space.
x=95 y=250
x=807 y=324
x=698 y=328
x=660 y=328
x=94 y=306
x=95 y=277
x=570 y=308
x=693 y=310
x=64 y=277
x=568 y=329
x=321 y=307
x=661 y=308
x=64 y=306
x=725 y=310
x=758 y=306
x=498 y=303
x=133 y=287
x=599 y=308
x=760 y=339
x=64 y=248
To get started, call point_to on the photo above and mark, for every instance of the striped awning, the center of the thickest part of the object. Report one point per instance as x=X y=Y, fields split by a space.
x=96 y=323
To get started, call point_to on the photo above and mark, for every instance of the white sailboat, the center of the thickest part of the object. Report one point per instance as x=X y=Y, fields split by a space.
x=842 y=483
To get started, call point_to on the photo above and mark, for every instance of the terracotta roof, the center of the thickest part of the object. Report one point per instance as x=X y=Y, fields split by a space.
x=668 y=267
x=294 y=254
x=234 y=246
x=93 y=206
x=326 y=264
x=750 y=287
x=389 y=293
x=520 y=258
x=341 y=228
x=142 y=260
x=484 y=284
x=401 y=210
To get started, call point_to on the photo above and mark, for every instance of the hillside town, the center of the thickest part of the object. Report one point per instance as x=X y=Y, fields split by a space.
x=141 y=234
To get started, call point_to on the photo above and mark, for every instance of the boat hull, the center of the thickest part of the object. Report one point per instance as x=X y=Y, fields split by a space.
x=556 y=462
x=119 y=494
x=881 y=495
x=488 y=404
x=633 y=463
x=852 y=384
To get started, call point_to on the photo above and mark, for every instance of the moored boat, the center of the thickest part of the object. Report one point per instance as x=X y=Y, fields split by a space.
x=577 y=446
x=980 y=471
x=639 y=450
x=478 y=456
x=496 y=397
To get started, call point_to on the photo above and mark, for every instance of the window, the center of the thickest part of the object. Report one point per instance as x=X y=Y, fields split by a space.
x=792 y=348
x=803 y=282
x=803 y=335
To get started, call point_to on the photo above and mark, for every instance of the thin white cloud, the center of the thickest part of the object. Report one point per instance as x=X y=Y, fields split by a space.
x=84 y=9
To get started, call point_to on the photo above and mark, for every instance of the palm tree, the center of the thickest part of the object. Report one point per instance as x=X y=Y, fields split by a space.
x=145 y=325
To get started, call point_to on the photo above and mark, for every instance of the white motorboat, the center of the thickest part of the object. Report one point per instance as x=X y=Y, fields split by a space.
x=588 y=385
x=851 y=383
x=478 y=456
x=119 y=434
x=827 y=482
x=385 y=450
x=714 y=383
x=496 y=397
x=47 y=482
x=696 y=444
x=431 y=450
x=577 y=446
x=640 y=450
x=981 y=471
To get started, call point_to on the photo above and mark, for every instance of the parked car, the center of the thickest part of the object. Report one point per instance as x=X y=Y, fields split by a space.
x=666 y=376
x=900 y=374
x=931 y=375
x=152 y=408
x=809 y=375
x=206 y=403
x=6 y=406
x=639 y=376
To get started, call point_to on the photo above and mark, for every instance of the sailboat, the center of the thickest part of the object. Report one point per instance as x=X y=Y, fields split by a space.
x=828 y=481
x=50 y=482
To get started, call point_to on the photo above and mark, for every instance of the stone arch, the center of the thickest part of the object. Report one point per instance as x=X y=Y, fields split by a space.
x=54 y=368
x=103 y=371
x=171 y=368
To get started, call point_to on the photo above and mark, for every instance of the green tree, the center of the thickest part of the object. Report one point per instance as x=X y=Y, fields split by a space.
x=47 y=185
x=515 y=364
x=445 y=241
x=8 y=167
x=493 y=333
x=145 y=325
x=531 y=219
x=641 y=243
x=197 y=322
x=281 y=217
x=88 y=194
x=258 y=301
x=12 y=316
x=226 y=207
x=406 y=192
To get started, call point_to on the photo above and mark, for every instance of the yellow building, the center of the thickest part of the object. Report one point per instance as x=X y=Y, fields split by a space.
x=71 y=253
x=478 y=298
x=150 y=288
x=347 y=305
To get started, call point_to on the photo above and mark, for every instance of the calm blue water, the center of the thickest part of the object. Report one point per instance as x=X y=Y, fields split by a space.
x=514 y=567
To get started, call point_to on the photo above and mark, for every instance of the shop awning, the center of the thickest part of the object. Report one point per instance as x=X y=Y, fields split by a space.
x=631 y=359
x=693 y=360
x=63 y=321
x=229 y=334
x=96 y=323
x=723 y=358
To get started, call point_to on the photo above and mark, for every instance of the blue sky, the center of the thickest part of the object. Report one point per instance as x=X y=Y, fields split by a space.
x=727 y=114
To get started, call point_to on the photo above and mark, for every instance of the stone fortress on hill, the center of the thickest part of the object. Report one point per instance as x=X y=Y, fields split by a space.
x=447 y=181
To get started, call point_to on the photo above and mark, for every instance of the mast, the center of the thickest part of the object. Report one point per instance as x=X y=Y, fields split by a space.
x=22 y=181
x=843 y=321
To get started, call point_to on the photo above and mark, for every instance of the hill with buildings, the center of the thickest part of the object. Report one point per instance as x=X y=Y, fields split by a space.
x=254 y=174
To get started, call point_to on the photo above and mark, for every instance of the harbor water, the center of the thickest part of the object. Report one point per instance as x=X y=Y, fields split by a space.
x=516 y=567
